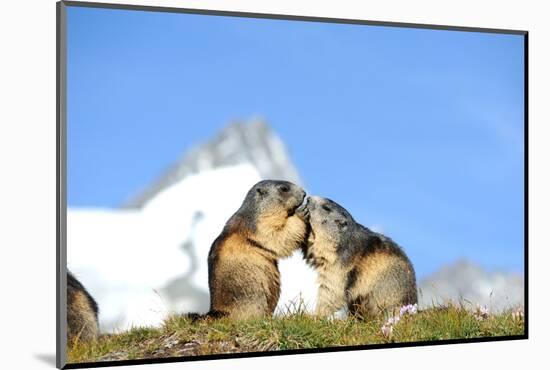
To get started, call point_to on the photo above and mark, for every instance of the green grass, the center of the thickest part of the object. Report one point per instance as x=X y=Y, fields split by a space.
x=180 y=337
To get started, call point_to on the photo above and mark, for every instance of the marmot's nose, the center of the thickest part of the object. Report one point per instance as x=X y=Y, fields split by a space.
x=311 y=201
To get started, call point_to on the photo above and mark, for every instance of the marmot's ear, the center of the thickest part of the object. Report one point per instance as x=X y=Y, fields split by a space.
x=261 y=191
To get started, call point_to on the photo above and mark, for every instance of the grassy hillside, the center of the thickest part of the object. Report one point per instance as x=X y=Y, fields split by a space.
x=181 y=337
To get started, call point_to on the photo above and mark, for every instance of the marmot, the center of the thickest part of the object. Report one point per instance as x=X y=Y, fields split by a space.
x=358 y=269
x=82 y=310
x=243 y=275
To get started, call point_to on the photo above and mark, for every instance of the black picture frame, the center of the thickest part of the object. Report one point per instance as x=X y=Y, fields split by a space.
x=61 y=184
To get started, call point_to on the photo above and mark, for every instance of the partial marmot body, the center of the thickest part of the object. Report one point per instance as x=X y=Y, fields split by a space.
x=82 y=310
x=357 y=268
x=243 y=275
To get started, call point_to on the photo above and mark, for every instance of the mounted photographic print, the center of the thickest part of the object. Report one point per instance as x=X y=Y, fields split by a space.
x=235 y=184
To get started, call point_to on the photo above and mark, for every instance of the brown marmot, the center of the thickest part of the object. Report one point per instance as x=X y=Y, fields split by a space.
x=82 y=311
x=243 y=275
x=358 y=269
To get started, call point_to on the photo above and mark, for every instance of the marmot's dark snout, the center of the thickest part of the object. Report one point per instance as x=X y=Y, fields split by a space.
x=299 y=193
x=297 y=197
x=313 y=201
x=303 y=211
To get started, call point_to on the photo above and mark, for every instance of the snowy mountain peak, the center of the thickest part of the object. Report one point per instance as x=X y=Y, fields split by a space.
x=252 y=142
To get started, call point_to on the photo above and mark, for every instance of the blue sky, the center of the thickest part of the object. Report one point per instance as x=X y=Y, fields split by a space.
x=419 y=132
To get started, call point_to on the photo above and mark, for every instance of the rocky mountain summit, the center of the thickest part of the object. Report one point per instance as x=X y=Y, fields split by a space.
x=469 y=283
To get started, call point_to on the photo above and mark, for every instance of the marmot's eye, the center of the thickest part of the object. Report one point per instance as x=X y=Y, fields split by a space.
x=326 y=208
x=341 y=223
x=284 y=188
x=261 y=191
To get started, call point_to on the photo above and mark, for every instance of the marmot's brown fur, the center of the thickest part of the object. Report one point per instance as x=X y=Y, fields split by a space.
x=82 y=310
x=358 y=269
x=243 y=275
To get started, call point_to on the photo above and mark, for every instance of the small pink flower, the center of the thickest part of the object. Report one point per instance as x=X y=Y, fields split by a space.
x=410 y=309
x=387 y=330
x=481 y=312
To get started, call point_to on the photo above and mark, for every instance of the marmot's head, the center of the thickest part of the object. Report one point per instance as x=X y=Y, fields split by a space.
x=331 y=230
x=271 y=216
x=273 y=197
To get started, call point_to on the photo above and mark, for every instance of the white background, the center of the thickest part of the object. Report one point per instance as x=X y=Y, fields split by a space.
x=27 y=184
